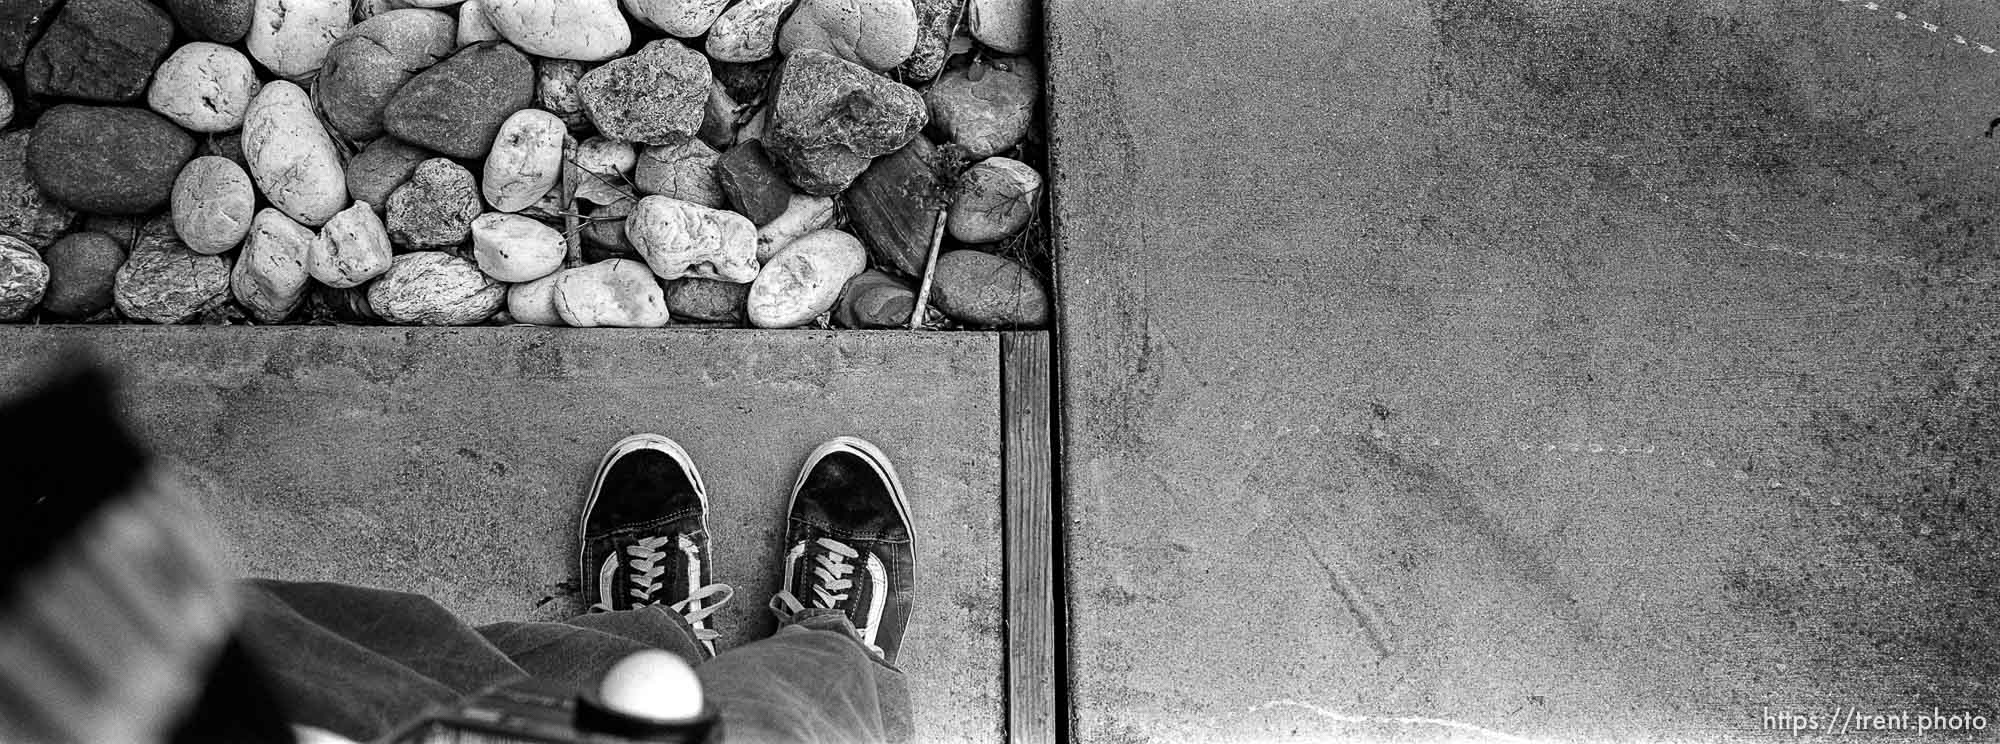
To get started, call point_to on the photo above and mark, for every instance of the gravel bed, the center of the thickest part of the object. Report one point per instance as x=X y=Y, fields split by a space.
x=591 y=163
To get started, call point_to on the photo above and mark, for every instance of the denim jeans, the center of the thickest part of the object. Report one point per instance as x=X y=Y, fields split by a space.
x=359 y=661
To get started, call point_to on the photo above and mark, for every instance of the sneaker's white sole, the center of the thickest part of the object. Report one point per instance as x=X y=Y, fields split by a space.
x=635 y=443
x=875 y=458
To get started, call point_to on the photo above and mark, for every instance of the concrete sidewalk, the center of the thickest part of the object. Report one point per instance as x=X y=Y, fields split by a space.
x=453 y=462
x=1465 y=369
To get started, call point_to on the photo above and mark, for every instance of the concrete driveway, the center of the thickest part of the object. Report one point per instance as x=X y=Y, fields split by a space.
x=1475 y=369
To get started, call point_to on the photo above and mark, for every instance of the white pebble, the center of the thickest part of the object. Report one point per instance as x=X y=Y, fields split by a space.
x=291 y=156
x=682 y=239
x=291 y=37
x=204 y=87
x=584 y=30
x=212 y=204
x=805 y=279
x=526 y=160
x=270 y=276
x=619 y=293
x=352 y=249
x=512 y=248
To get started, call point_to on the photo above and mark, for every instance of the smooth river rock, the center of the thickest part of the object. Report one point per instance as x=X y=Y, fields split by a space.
x=619 y=293
x=270 y=277
x=212 y=204
x=987 y=107
x=291 y=37
x=352 y=249
x=993 y=200
x=805 y=279
x=107 y=160
x=83 y=271
x=456 y=107
x=292 y=158
x=981 y=289
x=366 y=67
x=204 y=87
x=583 y=30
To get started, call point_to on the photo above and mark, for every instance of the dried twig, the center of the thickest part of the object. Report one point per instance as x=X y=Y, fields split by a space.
x=930 y=266
x=572 y=231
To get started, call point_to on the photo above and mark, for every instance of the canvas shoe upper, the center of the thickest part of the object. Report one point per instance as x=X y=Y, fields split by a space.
x=645 y=535
x=848 y=543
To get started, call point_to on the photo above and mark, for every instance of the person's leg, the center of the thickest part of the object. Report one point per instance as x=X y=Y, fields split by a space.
x=359 y=661
x=577 y=651
x=812 y=681
x=828 y=675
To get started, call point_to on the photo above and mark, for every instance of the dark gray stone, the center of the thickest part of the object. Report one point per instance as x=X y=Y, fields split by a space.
x=378 y=169
x=746 y=82
x=685 y=171
x=369 y=63
x=752 y=182
x=605 y=230
x=894 y=206
x=457 y=106
x=656 y=97
x=707 y=300
x=225 y=21
x=981 y=289
x=875 y=300
x=987 y=107
x=82 y=273
x=831 y=117
x=107 y=160
x=99 y=50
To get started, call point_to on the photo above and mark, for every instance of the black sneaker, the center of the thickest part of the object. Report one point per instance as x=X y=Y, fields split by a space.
x=645 y=535
x=848 y=544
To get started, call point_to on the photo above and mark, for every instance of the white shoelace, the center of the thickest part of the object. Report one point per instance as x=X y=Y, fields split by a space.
x=833 y=571
x=644 y=573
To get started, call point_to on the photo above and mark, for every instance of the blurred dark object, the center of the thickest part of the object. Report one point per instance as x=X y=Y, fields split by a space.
x=116 y=612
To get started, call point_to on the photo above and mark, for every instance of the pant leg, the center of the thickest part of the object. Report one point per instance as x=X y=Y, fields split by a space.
x=812 y=681
x=578 y=651
x=359 y=661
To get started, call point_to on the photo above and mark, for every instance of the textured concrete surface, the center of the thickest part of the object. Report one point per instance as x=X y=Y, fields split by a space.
x=1602 y=371
x=453 y=462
